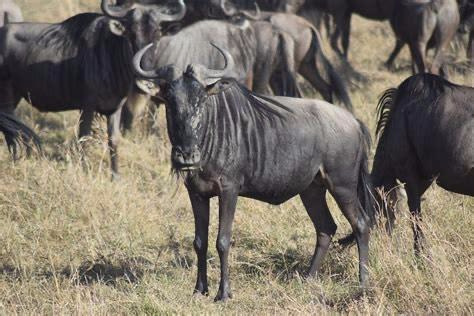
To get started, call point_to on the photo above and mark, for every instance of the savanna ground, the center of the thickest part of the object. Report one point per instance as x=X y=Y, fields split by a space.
x=71 y=241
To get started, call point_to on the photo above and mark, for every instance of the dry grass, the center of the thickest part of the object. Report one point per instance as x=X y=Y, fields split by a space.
x=73 y=242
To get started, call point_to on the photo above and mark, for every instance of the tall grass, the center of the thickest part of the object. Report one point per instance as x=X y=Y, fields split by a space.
x=71 y=241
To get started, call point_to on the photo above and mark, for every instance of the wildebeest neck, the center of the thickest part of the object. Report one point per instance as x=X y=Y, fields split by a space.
x=236 y=122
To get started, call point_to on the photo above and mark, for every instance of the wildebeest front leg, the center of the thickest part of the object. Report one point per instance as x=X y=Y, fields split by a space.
x=201 y=222
x=113 y=130
x=227 y=204
x=314 y=200
x=398 y=47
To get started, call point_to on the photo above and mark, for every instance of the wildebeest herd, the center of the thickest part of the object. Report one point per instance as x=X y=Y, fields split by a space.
x=237 y=120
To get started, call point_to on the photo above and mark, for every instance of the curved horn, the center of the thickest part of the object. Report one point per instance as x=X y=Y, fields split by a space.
x=255 y=16
x=177 y=16
x=163 y=73
x=210 y=74
x=114 y=11
x=228 y=12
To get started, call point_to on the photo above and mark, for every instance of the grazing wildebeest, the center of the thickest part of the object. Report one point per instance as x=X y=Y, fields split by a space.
x=229 y=142
x=424 y=24
x=17 y=133
x=82 y=63
x=426 y=133
x=9 y=12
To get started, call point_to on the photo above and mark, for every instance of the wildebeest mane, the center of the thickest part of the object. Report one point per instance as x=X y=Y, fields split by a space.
x=425 y=88
x=237 y=119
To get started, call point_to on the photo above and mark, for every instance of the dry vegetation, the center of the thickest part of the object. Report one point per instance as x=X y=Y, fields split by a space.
x=73 y=242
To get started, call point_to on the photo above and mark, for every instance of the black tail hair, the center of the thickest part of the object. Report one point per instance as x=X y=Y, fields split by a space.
x=16 y=133
x=335 y=81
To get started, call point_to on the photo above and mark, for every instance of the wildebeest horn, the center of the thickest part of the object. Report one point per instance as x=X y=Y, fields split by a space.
x=228 y=12
x=209 y=75
x=115 y=11
x=162 y=73
x=250 y=16
x=177 y=16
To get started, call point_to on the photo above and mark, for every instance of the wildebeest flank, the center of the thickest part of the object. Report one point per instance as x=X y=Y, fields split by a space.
x=228 y=142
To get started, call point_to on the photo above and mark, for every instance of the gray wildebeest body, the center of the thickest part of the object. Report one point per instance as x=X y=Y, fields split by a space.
x=426 y=134
x=424 y=24
x=83 y=63
x=228 y=142
x=10 y=12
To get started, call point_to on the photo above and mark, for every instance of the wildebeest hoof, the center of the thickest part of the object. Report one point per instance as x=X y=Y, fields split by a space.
x=201 y=292
x=223 y=296
x=115 y=177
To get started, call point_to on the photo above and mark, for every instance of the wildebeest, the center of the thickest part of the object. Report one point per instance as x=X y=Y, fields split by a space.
x=309 y=58
x=426 y=134
x=229 y=142
x=9 y=12
x=82 y=63
x=424 y=24
x=17 y=133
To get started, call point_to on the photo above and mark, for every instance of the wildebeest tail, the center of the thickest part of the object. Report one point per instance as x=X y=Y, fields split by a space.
x=335 y=81
x=16 y=133
x=365 y=190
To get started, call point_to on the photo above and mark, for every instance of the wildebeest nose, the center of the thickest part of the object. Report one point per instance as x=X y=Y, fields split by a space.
x=186 y=157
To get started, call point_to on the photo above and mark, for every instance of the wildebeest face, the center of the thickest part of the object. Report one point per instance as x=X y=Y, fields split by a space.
x=140 y=23
x=185 y=96
x=185 y=99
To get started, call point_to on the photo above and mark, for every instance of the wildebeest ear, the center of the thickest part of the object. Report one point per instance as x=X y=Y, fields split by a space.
x=116 y=27
x=147 y=86
x=218 y=86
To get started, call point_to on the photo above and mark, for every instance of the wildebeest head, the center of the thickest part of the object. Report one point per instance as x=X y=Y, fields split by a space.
x=185 y=96
x=140 y=23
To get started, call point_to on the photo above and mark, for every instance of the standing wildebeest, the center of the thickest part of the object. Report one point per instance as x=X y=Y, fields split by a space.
x=83 y=63
x=229 y=142
x=423 y=24
x=9 y=12
x=426 y=134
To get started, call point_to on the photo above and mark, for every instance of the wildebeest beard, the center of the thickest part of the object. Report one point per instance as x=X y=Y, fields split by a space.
x=234 y=118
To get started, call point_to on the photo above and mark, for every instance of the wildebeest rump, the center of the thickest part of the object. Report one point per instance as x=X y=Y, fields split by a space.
x=9 y=12
x=424 y=24
x=426 y=134
x=83 y=63
x=229 y=142
x=308 y=57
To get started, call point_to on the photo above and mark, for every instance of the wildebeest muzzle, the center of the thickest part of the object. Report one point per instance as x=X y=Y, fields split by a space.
x=186 y=159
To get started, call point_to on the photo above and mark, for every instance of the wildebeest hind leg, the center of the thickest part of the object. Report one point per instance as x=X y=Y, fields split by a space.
x=415 y=189
x=314 y=200
x=348 y=204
